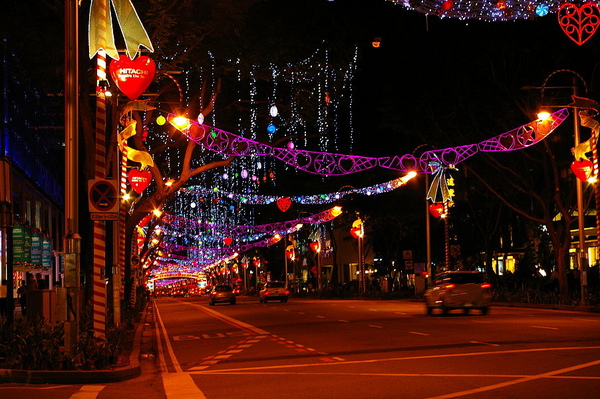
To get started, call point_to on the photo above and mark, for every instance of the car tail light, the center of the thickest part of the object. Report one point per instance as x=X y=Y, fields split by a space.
x=287 y=292
x=486 y=285
x=266 y=292
x=449 y=286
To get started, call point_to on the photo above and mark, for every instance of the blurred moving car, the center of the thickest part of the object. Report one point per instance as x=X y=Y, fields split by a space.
x=274 y=290
x=221 y=293
x=464 y=290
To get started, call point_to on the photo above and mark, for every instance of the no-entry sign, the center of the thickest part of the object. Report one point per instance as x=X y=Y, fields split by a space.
x=103 y=196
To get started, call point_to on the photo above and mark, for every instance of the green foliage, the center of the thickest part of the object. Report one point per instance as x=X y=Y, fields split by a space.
x=26 y=345
x=31 y=346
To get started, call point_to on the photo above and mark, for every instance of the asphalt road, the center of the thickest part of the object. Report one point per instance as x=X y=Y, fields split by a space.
x=355 y=349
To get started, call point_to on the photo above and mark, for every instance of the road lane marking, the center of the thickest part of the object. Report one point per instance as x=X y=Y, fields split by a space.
x=88 y=392
x=484 y=343
x=343 y=321
x=181 y=386
x=396 y=359
x=178 y=385
x=545 y=328
x=518 y=381
x=375 y=326
x=417 y=333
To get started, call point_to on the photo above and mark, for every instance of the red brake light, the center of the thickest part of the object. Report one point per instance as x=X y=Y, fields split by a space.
x=486 y=285
x=266 y=292
x=287 y=292
x=449 y=286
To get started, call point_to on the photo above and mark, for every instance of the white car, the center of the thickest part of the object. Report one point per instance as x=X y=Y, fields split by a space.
x=464 y=290
x=274 y=290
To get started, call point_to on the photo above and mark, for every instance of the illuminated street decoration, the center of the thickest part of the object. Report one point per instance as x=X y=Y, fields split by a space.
x=313 y=199
x=132 y=76
x=321 y=217
x=331 y=164
x=100 y=31
x=579 y=22
x=487 y=10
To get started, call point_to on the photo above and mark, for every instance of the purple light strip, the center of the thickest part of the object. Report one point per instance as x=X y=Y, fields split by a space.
x=330 y=164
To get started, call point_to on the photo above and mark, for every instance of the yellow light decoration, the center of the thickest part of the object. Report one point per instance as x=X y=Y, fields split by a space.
x=181 y=123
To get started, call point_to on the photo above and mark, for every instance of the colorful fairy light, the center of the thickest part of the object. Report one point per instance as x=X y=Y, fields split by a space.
x=488 y=10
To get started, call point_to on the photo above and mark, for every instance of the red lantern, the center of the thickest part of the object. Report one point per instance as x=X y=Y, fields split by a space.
x=446 y=5
x=314 y=246
x=355 y=232
x=436 y=210
x=132 y=77
x=228 y=241
x=139 y=180
x=582 y=169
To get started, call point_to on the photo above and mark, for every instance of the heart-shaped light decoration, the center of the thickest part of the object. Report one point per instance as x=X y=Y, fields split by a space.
x=582 y=169
x=132 y=77
x=228 y=241
x=436 y=210
x=139 y=180
x=579 y=23
x=284 y=204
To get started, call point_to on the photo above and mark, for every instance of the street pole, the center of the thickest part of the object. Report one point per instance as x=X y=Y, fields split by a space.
x=72 y=240
x=428 y=230
x=581 y=250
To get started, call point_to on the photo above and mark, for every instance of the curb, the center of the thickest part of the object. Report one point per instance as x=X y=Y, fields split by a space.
x=81 y=376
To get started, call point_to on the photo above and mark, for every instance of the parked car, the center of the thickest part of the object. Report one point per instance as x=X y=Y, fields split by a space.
x=274 y=290
x=221 y=293
x=464 y=290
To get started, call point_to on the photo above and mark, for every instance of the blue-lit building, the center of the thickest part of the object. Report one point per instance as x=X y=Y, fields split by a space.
x=31 y=177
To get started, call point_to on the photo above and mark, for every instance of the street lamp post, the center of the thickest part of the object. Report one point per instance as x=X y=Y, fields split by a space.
x=582 y=263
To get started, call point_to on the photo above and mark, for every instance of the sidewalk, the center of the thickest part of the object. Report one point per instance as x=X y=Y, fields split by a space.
x=142 y=345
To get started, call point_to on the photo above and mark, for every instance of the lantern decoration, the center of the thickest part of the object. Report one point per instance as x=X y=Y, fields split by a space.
x=289 y=252
x=314 y=246
x=284 y=204
x=501 y=5
x=437 y=210
x=139 y=180
x=579 y=23
x=357 y=230
x=582 y=169
x=376 y=43
x=132 y=77
x=228 y=241
x=446 y=5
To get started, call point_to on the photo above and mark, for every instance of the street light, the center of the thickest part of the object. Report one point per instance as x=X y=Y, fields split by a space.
x=581 y=251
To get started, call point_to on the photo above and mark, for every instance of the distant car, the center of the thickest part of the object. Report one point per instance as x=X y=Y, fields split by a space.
x=274 y=290
x=221 y=293
x=464 y=290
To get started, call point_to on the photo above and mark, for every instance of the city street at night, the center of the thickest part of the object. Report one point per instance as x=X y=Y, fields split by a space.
x=355 y=348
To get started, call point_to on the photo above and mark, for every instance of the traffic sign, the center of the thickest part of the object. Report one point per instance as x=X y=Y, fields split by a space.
x=102 y=196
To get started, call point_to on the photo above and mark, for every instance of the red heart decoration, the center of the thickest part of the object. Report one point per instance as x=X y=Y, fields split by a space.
x=582 y=169
x=139 y=180
x=228 y=241
x=436 y=210
x=314 y=246
x=579 y=23
x=284 y=204
x=132 y=77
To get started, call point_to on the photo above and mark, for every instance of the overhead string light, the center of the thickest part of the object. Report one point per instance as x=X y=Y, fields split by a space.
x=487 y=10
x=313 y=199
